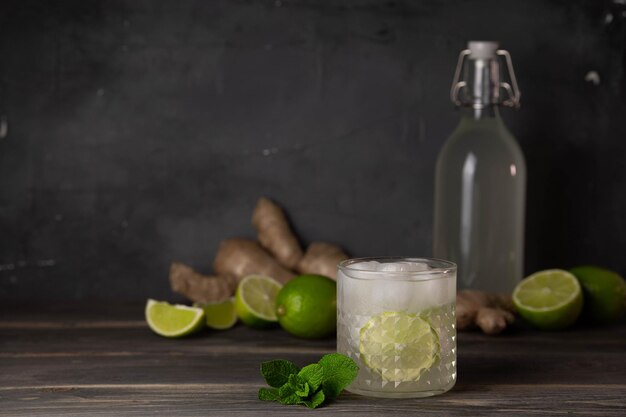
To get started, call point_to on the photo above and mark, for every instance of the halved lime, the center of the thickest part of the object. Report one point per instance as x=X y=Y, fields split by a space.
x=399 y=346
x=255 y=300
x=220 y=315
x=173 y=320
x=550 y=299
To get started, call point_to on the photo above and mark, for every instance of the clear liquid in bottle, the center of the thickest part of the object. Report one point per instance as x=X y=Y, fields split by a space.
x=480 y=180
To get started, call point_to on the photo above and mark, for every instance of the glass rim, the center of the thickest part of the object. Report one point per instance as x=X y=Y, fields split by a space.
x=443 y=267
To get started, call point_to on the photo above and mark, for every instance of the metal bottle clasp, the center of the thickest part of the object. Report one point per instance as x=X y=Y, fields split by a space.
x=511 y=88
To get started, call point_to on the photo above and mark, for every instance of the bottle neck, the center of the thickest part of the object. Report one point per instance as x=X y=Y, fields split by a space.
x=486 y=113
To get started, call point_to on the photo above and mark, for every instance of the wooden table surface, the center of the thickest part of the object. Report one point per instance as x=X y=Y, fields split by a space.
x=103 y=360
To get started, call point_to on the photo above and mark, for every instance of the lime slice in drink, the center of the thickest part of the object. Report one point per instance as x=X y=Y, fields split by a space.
x=173 y=320
x=220 y=315
x=255 y=300
x=399 y=346
x=549 y=300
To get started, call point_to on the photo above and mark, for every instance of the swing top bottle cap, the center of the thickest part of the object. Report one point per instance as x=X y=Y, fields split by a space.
x=482 y=49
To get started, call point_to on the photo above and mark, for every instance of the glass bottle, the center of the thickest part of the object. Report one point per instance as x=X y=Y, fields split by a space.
x=480 y=180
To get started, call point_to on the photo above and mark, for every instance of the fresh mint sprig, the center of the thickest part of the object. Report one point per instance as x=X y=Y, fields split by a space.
x=310 y=386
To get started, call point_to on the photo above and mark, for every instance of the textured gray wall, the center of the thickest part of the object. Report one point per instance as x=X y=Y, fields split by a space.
x=142 y=132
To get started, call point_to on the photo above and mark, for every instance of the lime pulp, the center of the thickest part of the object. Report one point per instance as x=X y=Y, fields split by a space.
x=255 y=300
x=550 y=299
x=173 y=320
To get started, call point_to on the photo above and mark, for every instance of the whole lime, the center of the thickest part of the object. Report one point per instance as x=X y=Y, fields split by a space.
x=306 y=306
x=604 y=292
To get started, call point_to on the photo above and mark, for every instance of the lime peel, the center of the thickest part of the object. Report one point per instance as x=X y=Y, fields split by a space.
x=604 y=292
x=307 y=306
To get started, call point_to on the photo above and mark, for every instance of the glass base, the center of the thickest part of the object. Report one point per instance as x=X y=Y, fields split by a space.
x=391 y=394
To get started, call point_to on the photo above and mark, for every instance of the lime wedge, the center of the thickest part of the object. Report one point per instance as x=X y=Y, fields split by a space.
x=220 y=315
x=173 y=320
x=549 y=300
x=399 y=346
x=255 y=300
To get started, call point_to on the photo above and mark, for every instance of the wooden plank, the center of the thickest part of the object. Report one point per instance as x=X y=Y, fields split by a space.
x=106 y=362
x=225 y=365
x=240 y=400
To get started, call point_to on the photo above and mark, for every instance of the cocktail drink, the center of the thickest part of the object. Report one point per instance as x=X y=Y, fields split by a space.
x=395 y=318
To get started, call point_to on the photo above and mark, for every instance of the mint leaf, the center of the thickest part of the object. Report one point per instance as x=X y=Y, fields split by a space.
x=299 y=384
x=313 y=374
x=316 y=400
x=276 y=373
x=269 y=394
x=290 y=399
x=339 y=372
x=303 y=391
x=290 y=393
x=312 y=385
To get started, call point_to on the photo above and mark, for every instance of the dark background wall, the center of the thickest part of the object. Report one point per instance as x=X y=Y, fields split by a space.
x=142 y=132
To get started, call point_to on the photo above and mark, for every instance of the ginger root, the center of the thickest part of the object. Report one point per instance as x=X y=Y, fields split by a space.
x=276 y=254
x=492 y=313
x=200 y=288
x=493 y=320
x=321 y=258
x=241 y=257
x=274 y=233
